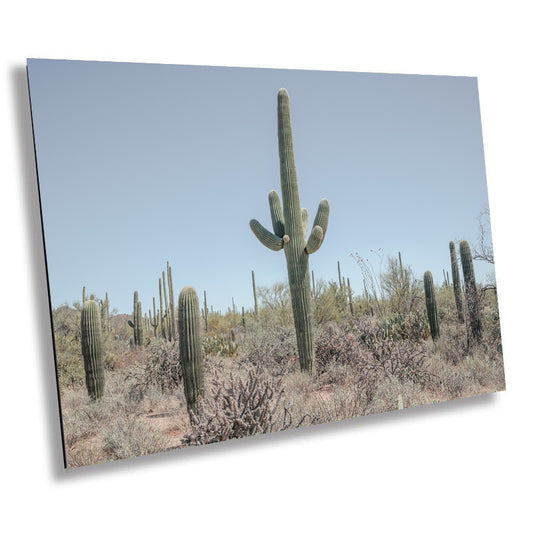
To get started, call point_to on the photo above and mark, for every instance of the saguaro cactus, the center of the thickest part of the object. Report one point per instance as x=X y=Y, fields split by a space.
x=137 y=323
x=431 y=305
x=457 y=292
x=92 y=349
x=472 y=297
x=206 y=312
x=161 y=314
x=155 y=321
x=190 y=346
x=290 y=228
x=171 y=302
x=255 y=293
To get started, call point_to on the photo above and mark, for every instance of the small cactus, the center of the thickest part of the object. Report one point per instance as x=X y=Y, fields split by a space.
x=92 y=349
x=431 y=306
x=472 y=297
x=190 y=346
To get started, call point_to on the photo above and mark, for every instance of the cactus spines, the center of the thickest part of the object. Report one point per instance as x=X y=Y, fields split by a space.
x=431 y=306
x=255 y=293
x=457 y=292
x=289 y=223
x=92 y=349
x=137 y=322
x=190 y=346
x=472 y=297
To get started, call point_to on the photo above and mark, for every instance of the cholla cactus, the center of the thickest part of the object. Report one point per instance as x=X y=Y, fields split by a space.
x=290 y=223
x=431 y=305
x=92 y=349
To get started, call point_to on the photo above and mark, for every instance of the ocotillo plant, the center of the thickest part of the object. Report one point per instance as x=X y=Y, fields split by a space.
x=472 y=297
x=290 y=228
x=431 y=306
x=92 y=349
x=243 y=320
x=457 y=292
x=137 y=323
x=255 y=293
x=190 y=346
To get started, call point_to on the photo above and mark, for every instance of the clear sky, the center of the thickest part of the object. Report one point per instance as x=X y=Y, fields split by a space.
x=140 y=163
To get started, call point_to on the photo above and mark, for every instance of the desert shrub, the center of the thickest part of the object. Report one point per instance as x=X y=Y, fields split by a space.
x=275 y=305
x=400 y=287
x=351 y=399
x=219 y=345
x=70 y=371
x=330 y=303
x=270 y=346
x=336 y=346
x=236 y=408
x=413 y=326
x=160 y=368
x=405 y=360
x=67 y=329
x=130 y=436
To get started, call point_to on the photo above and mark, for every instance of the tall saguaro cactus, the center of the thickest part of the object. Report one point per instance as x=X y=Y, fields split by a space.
x=472 y=297
x=161 y=314
x=155 y=322
x=457 y=292
x=171 y=302
x=255 y=293
x=290 y=224
x=431 y=305
x=190 y=346
x=92 y=349
x=137 y=322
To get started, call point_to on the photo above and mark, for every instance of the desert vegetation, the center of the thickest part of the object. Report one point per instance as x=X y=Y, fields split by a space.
x=309 y=351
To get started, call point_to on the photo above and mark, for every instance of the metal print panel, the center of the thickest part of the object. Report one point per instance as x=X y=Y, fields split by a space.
x=236 y=251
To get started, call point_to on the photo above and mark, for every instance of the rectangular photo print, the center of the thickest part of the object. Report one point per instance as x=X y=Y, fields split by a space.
x=240 y=251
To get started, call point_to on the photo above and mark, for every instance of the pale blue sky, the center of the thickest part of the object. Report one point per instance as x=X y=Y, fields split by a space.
x=139 y=164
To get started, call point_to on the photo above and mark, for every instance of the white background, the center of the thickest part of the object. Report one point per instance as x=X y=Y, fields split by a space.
x=463 y=466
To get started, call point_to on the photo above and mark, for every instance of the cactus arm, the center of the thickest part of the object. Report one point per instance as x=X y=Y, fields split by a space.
x=305 y=220
x=322 y=215
x=266 y=237
x=276 y=214
x=315 y=240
